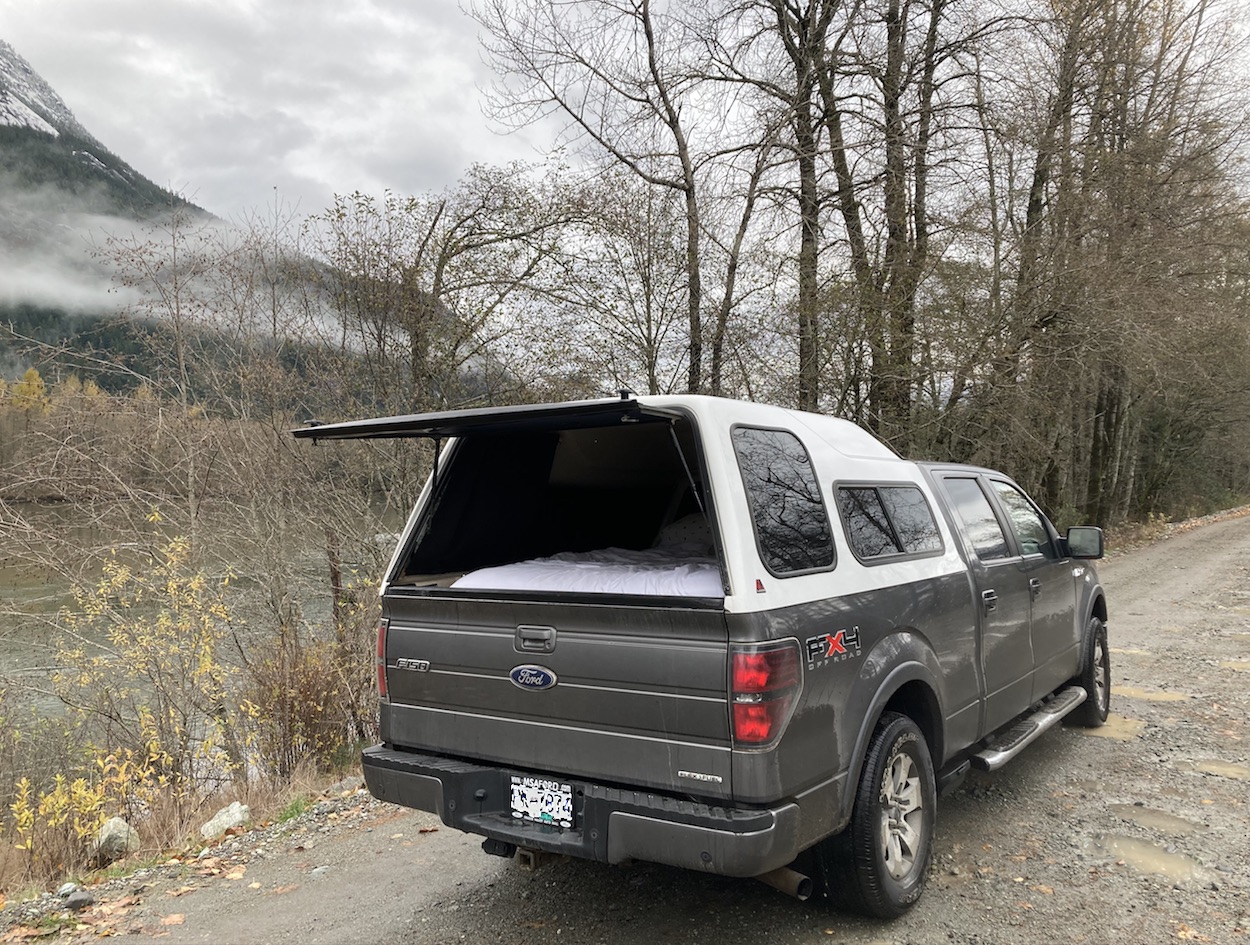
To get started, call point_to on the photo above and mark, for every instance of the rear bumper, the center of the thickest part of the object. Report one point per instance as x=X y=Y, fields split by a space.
x=611 y=824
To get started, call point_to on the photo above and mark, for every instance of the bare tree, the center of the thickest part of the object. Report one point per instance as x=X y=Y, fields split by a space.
x=420 y=283
x=612 y=70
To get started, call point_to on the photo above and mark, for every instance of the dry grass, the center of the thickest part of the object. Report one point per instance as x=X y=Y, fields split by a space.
x=169 y=827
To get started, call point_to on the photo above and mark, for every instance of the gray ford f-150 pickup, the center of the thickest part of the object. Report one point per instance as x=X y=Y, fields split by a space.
x=719 y=635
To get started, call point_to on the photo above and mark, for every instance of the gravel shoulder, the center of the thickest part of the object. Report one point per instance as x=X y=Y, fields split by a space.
x=1136 y=832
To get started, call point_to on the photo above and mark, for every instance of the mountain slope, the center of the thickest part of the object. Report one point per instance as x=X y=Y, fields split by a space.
x=27 y=101
x=42 y=145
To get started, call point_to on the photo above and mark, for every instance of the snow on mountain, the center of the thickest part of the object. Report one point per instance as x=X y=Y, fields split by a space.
x=17 y=112
x=42 y=142
x=26 y=100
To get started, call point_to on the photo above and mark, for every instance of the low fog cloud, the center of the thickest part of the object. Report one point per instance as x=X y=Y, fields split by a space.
x=55 y=282
x=53 y=249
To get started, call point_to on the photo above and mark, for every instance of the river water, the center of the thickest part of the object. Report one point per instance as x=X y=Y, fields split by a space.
x=33 y=585
x=46 y=549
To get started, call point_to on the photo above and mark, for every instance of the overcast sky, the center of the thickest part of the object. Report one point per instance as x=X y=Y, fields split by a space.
x=225 y=100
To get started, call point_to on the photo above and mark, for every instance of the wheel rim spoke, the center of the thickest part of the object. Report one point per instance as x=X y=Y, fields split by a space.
x=902 y=816
x=1100 y=675
x=909 y=837
x=908 y=796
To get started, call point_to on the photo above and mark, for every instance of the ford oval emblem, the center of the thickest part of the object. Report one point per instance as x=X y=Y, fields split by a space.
x=534 y=677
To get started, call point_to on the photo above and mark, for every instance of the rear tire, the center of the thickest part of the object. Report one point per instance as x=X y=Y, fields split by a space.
x=879 y=863
x=1095 y=677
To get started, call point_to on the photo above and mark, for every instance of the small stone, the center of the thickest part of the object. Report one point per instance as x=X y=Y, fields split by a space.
x=319 y=871
x=80 y=899
x=67 y=890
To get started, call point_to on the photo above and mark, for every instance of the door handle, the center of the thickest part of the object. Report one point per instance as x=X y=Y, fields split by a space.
x=531 y=639
x=1035 y=588
x=990 y=600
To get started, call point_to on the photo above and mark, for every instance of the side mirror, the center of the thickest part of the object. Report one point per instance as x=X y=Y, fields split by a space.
x=1085 y=541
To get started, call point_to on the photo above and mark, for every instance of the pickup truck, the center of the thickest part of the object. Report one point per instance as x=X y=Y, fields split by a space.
x=720 y=635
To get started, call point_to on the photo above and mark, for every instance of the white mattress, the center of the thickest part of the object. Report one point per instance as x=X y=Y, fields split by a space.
x=663 y=572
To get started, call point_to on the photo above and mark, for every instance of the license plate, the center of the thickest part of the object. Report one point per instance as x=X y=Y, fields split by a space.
x=542 y=801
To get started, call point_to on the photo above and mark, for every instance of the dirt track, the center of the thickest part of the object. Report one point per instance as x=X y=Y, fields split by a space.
x=1138 y=833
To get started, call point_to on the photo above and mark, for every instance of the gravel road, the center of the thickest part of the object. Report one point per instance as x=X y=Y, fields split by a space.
x=1136 y=832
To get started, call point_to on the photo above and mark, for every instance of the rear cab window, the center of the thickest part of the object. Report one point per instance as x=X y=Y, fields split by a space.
x=584 y=509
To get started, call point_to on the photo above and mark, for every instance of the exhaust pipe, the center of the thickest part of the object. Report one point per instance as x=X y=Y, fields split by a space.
x=789 y=881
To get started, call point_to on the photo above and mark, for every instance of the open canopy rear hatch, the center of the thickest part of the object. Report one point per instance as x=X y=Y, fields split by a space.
x=491 y=420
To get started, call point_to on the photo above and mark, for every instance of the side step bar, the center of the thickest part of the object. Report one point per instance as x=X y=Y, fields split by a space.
x=1009 y=742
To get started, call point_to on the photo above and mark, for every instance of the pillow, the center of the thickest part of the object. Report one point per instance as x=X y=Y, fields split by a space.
x=689 y=533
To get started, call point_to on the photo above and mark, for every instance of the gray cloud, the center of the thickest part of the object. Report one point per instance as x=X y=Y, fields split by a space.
x=226 y=101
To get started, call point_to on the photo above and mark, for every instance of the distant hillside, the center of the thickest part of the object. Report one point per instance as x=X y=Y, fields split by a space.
x=86 y=177
x=108 y=349
x=42 y=145
x=62 y=192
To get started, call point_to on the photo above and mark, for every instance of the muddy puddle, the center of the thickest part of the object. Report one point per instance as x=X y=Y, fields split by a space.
x=1117 y=727
x=1223 y=769
x=1151 y=695
x=1146 y=857
x=1155 y=819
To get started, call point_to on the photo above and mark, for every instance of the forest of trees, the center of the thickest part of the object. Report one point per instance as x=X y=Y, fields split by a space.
x=1009 y=234
x=1013 y=235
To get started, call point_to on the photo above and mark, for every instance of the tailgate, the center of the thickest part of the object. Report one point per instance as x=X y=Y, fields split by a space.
x=637 y=693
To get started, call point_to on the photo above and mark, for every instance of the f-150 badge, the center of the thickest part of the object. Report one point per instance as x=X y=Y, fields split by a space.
x=832 y=647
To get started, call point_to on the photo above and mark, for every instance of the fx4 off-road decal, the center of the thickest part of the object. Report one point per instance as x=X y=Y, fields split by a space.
x=832 y=647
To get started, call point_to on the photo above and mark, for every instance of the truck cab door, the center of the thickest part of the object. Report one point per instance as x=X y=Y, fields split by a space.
x=1054 y=629
x=1003 y=599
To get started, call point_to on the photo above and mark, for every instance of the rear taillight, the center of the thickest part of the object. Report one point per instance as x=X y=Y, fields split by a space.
x=381 y=661
x=764 y=684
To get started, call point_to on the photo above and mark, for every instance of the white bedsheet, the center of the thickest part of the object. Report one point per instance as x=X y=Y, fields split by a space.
x=664 y=572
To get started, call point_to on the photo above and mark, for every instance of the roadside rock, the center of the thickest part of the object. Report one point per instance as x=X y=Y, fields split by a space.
x=78 y=900
x=236 y=815
x=115 y=840
x=351 y=808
